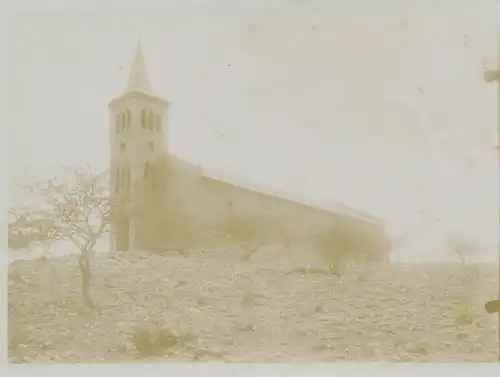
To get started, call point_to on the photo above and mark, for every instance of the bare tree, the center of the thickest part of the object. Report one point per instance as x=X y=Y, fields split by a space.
x=249 y=232
x=335 y=250
x=76 y=207
x=469 y=278
x=178 y=231
x=20 y=233
x=349 y=242
x=463 y=248
x=164 y=225
x=48 y=234
x=28 y=227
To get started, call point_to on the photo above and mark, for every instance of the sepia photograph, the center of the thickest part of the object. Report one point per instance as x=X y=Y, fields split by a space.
x=257 y=182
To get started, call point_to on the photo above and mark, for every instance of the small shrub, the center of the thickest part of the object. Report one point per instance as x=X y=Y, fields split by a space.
x=469 y=277
x=465 y=318
x=153 y=340
x=318 y=308
x=202 y=301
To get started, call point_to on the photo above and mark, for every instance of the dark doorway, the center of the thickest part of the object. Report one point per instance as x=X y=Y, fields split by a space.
x=122 y=235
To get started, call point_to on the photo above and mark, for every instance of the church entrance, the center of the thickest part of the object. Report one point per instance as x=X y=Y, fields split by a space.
x=122 y=235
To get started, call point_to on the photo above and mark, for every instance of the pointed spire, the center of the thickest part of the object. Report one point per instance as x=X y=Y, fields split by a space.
x=138 y=79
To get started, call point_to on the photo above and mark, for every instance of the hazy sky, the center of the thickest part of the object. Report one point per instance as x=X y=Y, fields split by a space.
x=383 y=109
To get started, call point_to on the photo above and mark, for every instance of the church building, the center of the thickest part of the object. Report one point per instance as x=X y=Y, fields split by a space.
x=157 y=195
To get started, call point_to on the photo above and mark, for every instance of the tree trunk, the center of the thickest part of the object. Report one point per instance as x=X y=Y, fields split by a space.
x=84 y=262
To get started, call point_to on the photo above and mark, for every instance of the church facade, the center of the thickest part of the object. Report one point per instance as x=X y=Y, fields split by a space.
x=158 y=196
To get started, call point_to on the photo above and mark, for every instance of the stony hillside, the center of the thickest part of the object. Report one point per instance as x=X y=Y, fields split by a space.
x=219 y=307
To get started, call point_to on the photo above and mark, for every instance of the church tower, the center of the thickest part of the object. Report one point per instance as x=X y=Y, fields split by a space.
x=138 y=133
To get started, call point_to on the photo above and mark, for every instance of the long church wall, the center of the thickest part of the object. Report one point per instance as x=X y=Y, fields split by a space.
x=298 y=222
x=204 y=203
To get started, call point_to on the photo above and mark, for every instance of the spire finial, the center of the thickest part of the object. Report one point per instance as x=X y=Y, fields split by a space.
x=138 y=79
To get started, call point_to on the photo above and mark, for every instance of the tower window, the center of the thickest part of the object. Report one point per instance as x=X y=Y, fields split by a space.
x=128 y=119
x=143 y=118
x=122 y=146
x=151 y=146
x=150 y=121
x=146 y=170
x=127 y=176
x=158 y=123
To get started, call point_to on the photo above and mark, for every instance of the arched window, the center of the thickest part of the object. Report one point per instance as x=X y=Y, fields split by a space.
x=151 y=121
x=128 y=119
x=143 y=118
x=127 y=176
x=158 y=123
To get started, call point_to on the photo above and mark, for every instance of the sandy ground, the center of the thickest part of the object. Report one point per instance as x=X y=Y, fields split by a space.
x=264 y=310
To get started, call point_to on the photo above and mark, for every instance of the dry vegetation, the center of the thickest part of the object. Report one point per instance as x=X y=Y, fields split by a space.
x=217 y=307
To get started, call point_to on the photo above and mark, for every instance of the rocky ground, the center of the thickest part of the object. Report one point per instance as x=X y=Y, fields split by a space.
x=222 y=308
